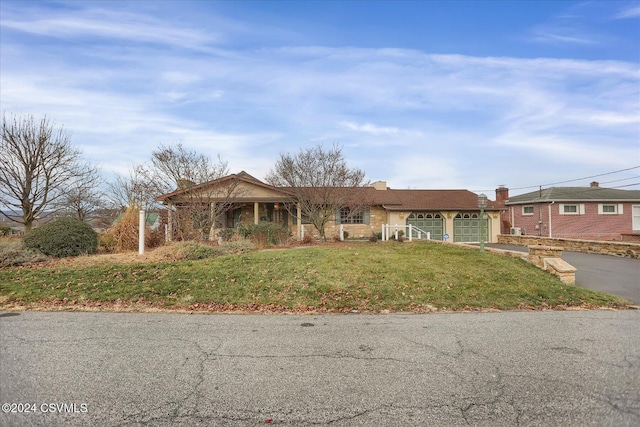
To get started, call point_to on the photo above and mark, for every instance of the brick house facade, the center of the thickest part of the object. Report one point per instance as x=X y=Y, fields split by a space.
x=444 y=214
x=588 y=213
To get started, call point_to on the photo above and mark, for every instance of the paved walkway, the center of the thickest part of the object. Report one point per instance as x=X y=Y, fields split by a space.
x=606 y=273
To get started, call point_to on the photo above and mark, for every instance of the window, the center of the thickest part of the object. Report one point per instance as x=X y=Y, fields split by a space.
x=571 y=209
x=610 y=209
x=354 y=216
x=527 y=210
x=636 y=217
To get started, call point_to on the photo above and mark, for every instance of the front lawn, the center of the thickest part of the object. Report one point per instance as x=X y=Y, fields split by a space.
x=365 y=277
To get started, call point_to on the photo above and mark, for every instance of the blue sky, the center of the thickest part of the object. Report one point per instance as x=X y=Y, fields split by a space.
x=423 y=94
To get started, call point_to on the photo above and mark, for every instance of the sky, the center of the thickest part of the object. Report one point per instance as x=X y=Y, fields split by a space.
x=420 y=94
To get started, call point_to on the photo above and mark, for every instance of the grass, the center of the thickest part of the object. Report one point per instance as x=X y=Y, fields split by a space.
x=365 y=277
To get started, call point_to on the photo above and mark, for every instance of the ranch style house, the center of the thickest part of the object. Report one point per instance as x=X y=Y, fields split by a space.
x=451 y=215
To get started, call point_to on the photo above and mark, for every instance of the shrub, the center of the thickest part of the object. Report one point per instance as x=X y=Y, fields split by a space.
x=62 y=238
x=125 y=233
x=14 y=253
x=6 y=231
x=226 y=234
x=191 y=251
x=259 y=238
x=107 y=244
x=239 y=246
x=308 y=239
x=373 y=237
x=274 y=234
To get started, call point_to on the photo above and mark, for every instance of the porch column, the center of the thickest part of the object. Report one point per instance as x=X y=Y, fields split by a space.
x=299 y=217
x=169 y=221
x=256 y=213
x=212 y=214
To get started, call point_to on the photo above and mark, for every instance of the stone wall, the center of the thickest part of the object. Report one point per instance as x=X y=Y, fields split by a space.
x=377 y=217
x=620 y=249
x=548 y=258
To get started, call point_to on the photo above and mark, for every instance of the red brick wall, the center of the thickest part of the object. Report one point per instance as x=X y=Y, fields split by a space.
x=591 y=225
x=502 y=195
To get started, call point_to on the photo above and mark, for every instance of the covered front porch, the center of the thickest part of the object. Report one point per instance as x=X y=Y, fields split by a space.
x=280 y=212
x=209 y=221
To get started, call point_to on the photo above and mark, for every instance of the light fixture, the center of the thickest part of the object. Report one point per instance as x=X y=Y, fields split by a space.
x=482 y=203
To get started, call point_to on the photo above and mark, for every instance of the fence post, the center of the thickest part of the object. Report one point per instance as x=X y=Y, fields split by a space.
x=396 y=232
x=341 y=232
x=141 y=234
x=428 y=235
x=410 y=232
x=302 y=231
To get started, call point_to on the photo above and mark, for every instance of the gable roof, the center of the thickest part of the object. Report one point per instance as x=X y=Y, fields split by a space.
x=576 y=194
x=390 y=199
x=241 y=176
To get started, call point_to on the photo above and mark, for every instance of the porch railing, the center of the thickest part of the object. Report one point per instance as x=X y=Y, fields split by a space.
x=411 y=231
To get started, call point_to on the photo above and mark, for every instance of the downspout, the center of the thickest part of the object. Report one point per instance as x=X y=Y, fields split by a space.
x=540 y=214
x=550 y=204
x=540 y=220
x=511 y=214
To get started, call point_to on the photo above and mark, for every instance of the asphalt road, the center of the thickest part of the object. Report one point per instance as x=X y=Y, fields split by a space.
x=606 y=273
x=574 y=368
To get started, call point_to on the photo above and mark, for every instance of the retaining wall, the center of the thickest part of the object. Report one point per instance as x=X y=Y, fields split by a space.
x=620 y=249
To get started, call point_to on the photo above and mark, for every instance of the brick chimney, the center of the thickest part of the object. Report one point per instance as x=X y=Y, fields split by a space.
x=595 y=184
x=502 y=195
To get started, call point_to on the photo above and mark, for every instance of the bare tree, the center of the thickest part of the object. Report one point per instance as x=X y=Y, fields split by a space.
x=137 y=189
x=200 y=194
x=322 y=184
x=84 y=198
x=39 y=166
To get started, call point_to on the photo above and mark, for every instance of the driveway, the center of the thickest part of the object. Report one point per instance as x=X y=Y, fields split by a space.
x=605 y=273
x=572 y=368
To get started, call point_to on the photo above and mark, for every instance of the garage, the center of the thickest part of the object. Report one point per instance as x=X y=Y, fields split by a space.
x=426 y=222
x=466 y=228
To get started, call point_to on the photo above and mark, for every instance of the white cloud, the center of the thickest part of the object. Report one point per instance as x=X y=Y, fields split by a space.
x=630 y=12
x=371 y=128
x=548 y=37
x=110 y=24
x=403 y=115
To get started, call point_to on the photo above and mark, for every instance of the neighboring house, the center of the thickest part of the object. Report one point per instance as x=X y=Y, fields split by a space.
x=589 y=213
x=152 y=219
x=439 y=212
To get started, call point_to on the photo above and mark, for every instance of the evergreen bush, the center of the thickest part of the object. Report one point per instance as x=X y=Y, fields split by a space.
x=63 y=237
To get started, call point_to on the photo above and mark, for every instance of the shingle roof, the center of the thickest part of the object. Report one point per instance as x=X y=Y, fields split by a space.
x=241 y=176
x=390 y=199
x=576 y=194
x=436 y=200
